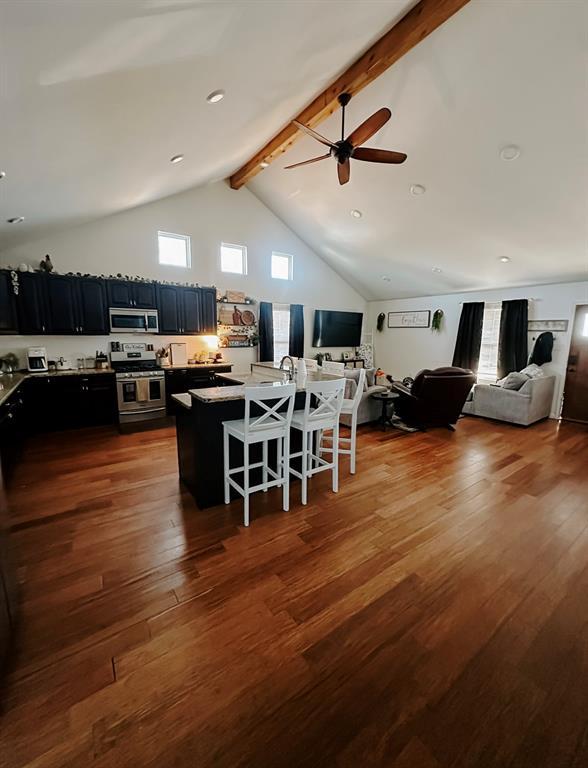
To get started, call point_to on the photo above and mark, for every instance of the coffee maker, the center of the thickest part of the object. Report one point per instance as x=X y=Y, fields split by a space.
x=37 y=359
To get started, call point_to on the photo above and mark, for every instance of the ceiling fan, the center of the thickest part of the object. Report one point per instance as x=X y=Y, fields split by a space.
x=349 y=147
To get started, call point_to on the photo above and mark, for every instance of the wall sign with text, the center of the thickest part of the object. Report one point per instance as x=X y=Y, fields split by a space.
x=418 y=319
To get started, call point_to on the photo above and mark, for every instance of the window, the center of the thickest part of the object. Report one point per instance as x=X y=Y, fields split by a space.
x=281 y=318
x=487 y=368
x=174 y=250
x=233 y=258
x=282 y=266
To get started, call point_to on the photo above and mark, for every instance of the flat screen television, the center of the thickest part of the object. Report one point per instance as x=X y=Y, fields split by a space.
x=336 y=329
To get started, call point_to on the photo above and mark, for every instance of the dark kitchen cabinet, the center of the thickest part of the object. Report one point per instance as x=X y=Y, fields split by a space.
x=70 y=401
x=8 y=319
x=91 y=305
x=192 y=310
x=12 y=431
x=31 y=304
x=126 y=294
x=170 y=306
x=61 y=304
x=181 y=380
x=208 y=311
x=75 y=305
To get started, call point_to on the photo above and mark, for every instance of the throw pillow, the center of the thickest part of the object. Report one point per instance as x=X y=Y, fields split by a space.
x=533 y=371
x=370 y=377
x=514 y=380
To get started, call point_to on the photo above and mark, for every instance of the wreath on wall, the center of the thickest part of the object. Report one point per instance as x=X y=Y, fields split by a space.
x=437 y=320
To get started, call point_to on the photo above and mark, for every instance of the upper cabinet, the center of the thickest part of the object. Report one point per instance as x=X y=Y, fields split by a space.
x=126 y=294
x=92 y=308
x=171 y=316
x=31 y=303
x=72 y=304
x=8 y=319
x=208 y=311
x=192 y=310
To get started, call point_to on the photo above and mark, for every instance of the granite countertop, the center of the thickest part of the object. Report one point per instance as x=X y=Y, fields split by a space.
x=183 y=399
x=237 y=392
x=10 y=382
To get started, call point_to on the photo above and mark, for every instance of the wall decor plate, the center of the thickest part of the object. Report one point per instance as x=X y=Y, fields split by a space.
x=547 y=325
x=248 y=317
x=418 y=319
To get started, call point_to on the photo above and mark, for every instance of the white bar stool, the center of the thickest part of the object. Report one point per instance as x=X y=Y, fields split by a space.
x=349 y=408
x=311 y=365
x=271 y=424
x=328 y=396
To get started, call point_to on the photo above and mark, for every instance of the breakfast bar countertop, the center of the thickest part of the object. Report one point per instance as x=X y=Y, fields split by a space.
x=237 y=392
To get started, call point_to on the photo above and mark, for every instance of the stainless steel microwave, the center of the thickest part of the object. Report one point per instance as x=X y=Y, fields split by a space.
x=133 y=320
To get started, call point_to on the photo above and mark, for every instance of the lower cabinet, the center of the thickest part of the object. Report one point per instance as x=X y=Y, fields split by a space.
x=71 y=401
x=12 y=431
x=183 y=379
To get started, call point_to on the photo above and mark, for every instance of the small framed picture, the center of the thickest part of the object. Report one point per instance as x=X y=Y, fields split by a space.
x=347 y=355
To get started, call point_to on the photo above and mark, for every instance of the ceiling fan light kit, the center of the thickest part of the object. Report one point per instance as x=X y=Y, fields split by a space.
x=350 y=148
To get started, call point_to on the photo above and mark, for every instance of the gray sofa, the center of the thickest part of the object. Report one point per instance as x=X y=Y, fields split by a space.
x=369 y=409
x=531 y=403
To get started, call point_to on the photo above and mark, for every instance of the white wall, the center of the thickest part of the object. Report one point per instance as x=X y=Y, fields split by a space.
x=126 y=243
x=405 y=351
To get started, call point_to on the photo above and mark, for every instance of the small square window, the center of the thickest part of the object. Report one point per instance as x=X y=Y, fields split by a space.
x=174 y=250
x=233 y=258
x=282 y=266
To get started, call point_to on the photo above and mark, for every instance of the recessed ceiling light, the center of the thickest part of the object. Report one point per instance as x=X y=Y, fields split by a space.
x=417 y=189
x=386 y=278
x=504 y=259
x=356 y=214
x=176 y=159
x=264 y=164
x=436 y=270
x=215 y=97
x=510 y=152
x=15 y=220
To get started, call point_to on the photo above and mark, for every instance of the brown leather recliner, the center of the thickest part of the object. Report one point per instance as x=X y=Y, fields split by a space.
x=435 y=398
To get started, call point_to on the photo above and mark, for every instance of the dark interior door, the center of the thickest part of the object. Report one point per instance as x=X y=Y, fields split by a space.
x=169 y=309
x=92 y=306
x=575 y=404
x=8 y=322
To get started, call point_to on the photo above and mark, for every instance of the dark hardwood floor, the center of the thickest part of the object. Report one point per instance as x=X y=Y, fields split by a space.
x=431 y=614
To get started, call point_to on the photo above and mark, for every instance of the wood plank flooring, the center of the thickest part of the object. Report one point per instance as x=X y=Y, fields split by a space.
x=433 y=614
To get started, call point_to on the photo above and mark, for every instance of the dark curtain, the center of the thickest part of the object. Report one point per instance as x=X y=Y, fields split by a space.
x=542 y=349
x=266 y=332
x=512 y=340
x=469 y=336
x=296 y=347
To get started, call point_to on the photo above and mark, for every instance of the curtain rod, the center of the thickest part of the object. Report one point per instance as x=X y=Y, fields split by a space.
x=497 y=302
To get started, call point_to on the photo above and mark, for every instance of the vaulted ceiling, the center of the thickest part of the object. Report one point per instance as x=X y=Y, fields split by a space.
x=96 y=98
x=496 y=74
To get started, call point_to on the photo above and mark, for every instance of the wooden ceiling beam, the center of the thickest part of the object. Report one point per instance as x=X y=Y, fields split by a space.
x=417 y=24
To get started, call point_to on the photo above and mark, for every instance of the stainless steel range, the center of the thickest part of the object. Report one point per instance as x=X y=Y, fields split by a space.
x=140 y=384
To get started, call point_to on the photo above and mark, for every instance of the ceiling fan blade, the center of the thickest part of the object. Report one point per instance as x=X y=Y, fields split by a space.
x=314 y=134
x=378 y=155
x=370 y=126
x=306 y=162
x=343 y=171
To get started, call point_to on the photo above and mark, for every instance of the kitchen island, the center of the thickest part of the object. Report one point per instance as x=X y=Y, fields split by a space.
x=199 y=417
